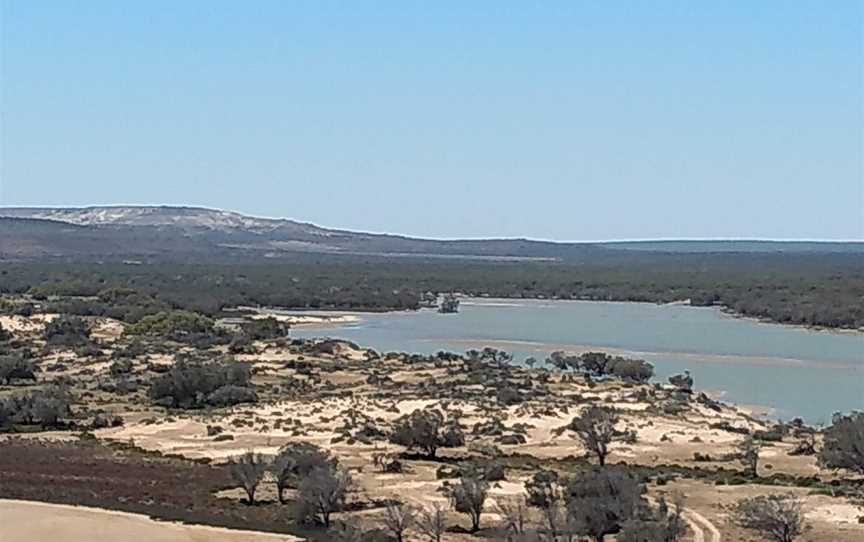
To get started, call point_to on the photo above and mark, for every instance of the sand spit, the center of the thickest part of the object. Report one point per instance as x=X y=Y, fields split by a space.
x=27 y=520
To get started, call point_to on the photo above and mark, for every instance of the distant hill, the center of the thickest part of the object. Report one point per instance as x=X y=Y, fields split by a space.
x=156 y=232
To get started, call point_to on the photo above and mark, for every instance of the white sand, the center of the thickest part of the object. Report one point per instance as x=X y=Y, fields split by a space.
x=24 y=324
x=36 y=521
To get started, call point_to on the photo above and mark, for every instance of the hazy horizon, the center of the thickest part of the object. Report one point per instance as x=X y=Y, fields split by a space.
x=396 y=233
x=566 y=122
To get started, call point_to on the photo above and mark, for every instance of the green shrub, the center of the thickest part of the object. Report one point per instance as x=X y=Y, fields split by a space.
x=195 y=385
x=173 y=323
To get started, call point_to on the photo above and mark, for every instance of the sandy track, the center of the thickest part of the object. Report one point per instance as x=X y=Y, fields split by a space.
x=699 y=524
x=27 y=520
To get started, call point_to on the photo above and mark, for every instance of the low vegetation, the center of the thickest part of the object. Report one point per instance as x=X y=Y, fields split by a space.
x=777 y=518
x=466 y=428
x=427 y=430
x=196 y=385
x=843 y=446
x=806 y=289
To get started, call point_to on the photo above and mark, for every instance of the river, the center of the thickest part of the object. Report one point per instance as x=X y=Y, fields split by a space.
x=790 y=371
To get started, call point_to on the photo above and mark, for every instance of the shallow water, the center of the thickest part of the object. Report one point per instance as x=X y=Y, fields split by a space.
x=794 y=371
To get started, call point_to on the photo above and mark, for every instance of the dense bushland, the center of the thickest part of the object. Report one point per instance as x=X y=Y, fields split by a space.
x=811 y=289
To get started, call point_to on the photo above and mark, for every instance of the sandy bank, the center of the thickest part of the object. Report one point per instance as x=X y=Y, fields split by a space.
x=26 y=520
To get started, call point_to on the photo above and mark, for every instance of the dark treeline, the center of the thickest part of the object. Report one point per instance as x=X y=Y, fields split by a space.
x=810 y=289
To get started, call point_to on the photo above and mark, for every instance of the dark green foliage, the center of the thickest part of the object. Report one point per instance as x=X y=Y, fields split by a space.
x=46 y=407
x=748 y=455
x=241 y=344
x=778 y=518
x=768 y=436
x=172 y=324
x=635 y=370
x=595 y=363
x=468 y=496
x=16 y=367
x=843 y=444
x=564 y=362
x=295 y=461
x=602 y=365
x=4 y=335
x=545 y=491
x=659 y=525
x=683 y=382
x=508 y=396
x=426 y=430
x=132 y=350
x=322 y=492
x=595 y=427
x=261 y=329
x=122 y=366
x=809 y=289
x=398 y=518
x=601 y=500
x=195 y=385
x=248 y=470
x=67 y=331
x=124 y=304
x=231 y=395
x=496 y=357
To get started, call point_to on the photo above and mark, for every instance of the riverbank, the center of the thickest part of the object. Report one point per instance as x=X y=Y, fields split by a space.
x=796 y=371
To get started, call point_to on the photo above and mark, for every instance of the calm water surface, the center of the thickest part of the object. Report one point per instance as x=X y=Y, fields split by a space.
x=794 y=371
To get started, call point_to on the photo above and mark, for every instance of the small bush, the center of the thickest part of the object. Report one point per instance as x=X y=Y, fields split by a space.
x=195 y=385
x=172 y=324
x=67 y=331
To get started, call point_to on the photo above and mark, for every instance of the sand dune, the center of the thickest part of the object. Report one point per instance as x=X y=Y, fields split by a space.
x=34 y=521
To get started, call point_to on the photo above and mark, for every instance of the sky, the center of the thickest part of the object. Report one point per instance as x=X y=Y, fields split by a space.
x=567 y=120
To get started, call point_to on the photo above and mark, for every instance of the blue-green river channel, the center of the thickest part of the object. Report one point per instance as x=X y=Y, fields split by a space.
x=791 y=371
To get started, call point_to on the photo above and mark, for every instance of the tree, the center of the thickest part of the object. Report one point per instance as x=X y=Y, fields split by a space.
x=468 y=497
x=294 y=461
x=545 y=492
x=748 y=455
x=595 y=363
x=564 y=362
x=46 y=406
x=15 y=367
x=595 y=427
x=601 y=501
x=635 y=370
x=427 y=430
x=248 y=470
x=776 y=517
x=807 y=443
x=659 y=525
x=67 y=331
x=174 y=324
x=195 y=385
x=4 y=335
x=398 y=518
x=430 y=522
x=497 y=357
x=515 y=514
x=843 y=443
x=322 y=492
x=682 y=382
x=262 y=329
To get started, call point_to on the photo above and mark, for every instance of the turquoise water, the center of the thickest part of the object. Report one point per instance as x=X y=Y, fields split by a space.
x=794 y=371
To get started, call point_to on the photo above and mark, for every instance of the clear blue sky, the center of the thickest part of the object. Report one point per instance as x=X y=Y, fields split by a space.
x=559 y=120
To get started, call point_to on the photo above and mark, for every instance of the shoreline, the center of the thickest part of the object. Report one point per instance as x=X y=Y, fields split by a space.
x=723 y=310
